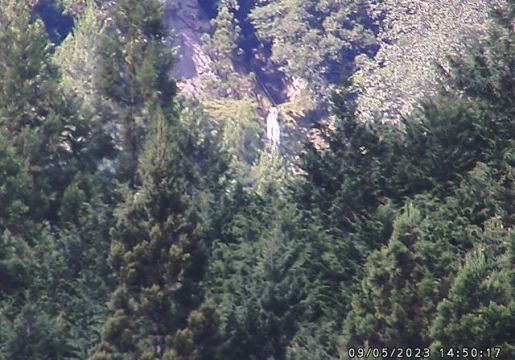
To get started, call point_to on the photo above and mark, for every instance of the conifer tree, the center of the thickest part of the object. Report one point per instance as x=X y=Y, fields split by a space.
x=468 y=121
x=77 y=56
x=42 y=124
x=346 y=180
x=223 y=47
x=135 y=65
x=28 y=99
x=225 y=40
x=258 y=272
x=17 y=189
x=400 y=290
x=479 y=311
x=36 y=335
x=342 y=193
x=27 y=75
x=46 y=143
x=159 y=251
x=448 y=231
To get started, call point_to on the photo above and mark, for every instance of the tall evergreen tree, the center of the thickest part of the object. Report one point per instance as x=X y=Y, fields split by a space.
x=400 y=290
x=468 y=121
x=47 y=144
x=136 y=61
x=405 y=281
x=78 y=57
x=479 y=311
x=159 y=251
x=347 y=180
x=223 y=47
x=258 y=271
x=343 y=196
x=41 y=123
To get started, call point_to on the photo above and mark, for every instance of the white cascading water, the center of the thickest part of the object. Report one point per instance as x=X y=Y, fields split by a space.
x=273 y=131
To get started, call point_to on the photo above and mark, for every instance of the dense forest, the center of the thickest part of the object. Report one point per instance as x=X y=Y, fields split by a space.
x=137 y=223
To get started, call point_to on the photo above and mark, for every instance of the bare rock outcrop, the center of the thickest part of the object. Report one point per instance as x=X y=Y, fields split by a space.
x=189 y=22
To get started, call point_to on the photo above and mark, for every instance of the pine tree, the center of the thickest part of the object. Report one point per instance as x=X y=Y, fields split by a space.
x=17 y=193
x=468 y=121
x=479 y=311
x=342 y=193
x=399 y=292
x=225 y=40
x=47 y=143
x=36 y=335
x=347 y=180
x=159 y=251
x=446 y=143
x=259 y=275
x=135 y=66
x=223 y=47
x=41 y=123
x=77 y=56
x=24 y=49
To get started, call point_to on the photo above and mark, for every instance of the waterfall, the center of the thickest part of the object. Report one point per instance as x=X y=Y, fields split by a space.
x=273 y=131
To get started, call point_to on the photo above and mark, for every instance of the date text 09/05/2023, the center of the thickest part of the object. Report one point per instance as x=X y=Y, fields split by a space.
x=423 y=353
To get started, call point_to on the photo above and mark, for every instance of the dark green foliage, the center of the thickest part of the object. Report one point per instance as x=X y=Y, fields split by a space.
x=404 y=281
x=159 y=251
x=78 y=55
x=17 y=188
x=450 y=138
x=136 y=61
x=27 y=75
x=203 y=247
x=347 y=181
x=36 y=335
x=135 y=64
x=470 y=120
x=313 y=40
x=260 y=276
x=59 y=273
x=343 y=196
x=52 y=294
x=222 y=47
x=479 y=311
x=43 y=126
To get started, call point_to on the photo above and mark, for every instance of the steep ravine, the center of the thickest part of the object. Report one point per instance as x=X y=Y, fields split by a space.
x=268 y=86
x=411 y=36
x=190 y=20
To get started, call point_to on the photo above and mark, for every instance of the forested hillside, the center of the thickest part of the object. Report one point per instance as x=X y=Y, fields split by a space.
x=138 y=222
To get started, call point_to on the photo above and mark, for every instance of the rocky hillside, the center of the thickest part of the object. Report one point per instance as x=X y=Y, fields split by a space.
x=410 y=37
x=387 y=47
x=189 y=23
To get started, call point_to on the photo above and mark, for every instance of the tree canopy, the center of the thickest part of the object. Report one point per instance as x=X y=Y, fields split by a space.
x=138 y=224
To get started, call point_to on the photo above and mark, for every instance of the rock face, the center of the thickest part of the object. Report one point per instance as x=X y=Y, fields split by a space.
x=189 y=23
x=414 y=34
